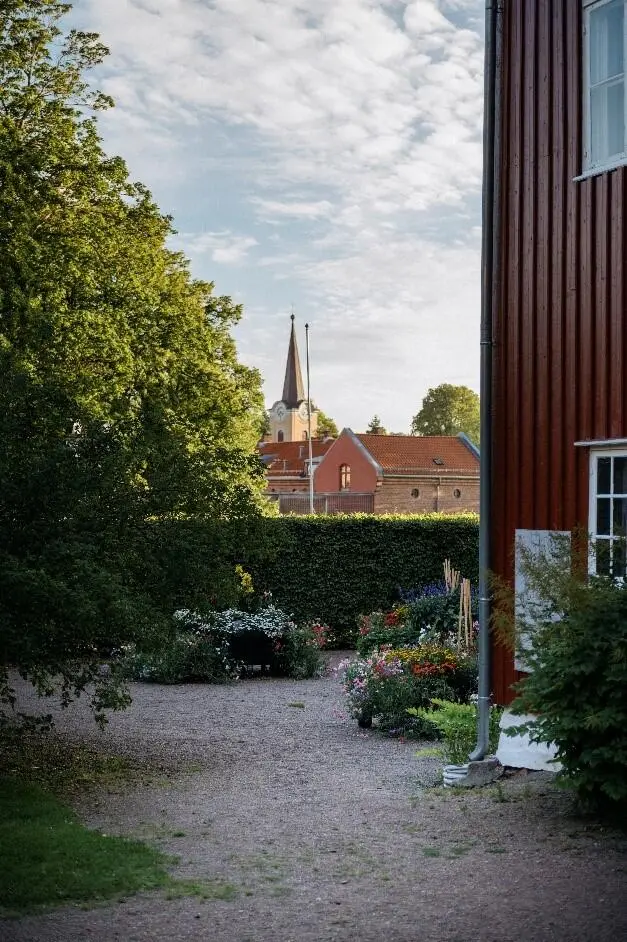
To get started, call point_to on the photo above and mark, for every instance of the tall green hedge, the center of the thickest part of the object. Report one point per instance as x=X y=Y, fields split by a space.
x=338 y=567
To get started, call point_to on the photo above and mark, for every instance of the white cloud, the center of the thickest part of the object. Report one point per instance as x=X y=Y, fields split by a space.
x=222 y=247
x=356 y=125
x=271 y=209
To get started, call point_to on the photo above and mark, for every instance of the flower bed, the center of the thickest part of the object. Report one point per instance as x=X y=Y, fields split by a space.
x=389 y=681
x=429 y=615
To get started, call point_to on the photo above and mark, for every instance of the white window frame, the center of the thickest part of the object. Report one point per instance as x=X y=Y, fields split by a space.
x=618 y=160
x=596 y=453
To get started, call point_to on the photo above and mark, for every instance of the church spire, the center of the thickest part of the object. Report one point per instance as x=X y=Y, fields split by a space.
x=293 y=389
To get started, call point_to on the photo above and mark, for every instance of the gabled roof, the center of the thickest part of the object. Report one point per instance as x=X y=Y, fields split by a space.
x=287 y=459
x=293 y=389
x=432 y=454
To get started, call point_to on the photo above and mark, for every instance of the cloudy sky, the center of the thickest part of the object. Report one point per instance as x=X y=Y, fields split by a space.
x=320 y=153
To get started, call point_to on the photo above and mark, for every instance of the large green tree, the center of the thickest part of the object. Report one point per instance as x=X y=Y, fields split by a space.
x=123 y=406
x=448 y=410
x=327 y=427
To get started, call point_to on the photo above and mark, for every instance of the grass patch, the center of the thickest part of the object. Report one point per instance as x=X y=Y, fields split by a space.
x=297 y=704
x=431 y=851
x=459 y=850
x=202 y=889
x=50 y=858
x=66 y=768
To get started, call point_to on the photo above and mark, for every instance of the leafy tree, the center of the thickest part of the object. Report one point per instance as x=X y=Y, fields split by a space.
x=375 y=427
x=326 y=426
x=265 y=426
x=122 y=403
x=448 y=410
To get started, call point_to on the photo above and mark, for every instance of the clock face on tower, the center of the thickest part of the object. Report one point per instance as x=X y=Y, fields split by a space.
x=280 y=411
x=303 y=411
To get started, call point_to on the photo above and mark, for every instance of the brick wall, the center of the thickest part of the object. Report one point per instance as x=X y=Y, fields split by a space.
x=345 y=451
x=397 y=495
x=287 y=485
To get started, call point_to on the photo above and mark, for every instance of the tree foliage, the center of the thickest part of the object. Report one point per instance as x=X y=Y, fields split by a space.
x=375 y=427
x=122 y=402
x=326 y=426
x=448 y=410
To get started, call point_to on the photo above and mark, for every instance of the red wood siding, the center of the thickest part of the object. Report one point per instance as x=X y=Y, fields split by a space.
x=559 y=313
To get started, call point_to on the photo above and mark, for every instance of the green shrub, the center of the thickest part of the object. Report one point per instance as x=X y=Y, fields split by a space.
x=338 y=568
x=457 y=725
x=185 y=658
x=299 y=653
x=578 y=686
x=223 y=646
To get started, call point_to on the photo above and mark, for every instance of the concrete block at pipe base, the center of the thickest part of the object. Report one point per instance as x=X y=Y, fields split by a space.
x=481 y=772
x=518 y=752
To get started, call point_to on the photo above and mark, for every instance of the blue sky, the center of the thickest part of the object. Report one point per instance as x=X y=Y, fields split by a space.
x=320 y=153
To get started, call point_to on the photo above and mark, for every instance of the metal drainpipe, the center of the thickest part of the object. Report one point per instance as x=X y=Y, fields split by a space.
x=490 y=251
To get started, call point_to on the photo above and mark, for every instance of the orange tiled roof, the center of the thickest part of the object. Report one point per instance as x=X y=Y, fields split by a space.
x=433 y=454
x=287 y=459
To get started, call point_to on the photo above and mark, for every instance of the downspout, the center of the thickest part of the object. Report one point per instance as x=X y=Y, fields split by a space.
x=490 y=258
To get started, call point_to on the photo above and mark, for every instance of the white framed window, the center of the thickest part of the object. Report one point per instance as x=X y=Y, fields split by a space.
x=608 y=512
x=604 y=80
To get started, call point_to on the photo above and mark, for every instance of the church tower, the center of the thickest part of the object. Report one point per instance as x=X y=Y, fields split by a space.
x=289 y=416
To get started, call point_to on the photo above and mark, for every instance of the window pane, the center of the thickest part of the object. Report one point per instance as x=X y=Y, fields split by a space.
x=620 y=476
x=603 y=516
x=606 y=41
x=618 y=559
x=603 y=557
x=607 y=121
x=604 y=476
x=620 y=516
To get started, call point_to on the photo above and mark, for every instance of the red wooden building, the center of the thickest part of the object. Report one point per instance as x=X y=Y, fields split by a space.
x=555 y=262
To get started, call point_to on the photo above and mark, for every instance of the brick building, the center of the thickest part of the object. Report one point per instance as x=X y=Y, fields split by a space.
x=287 y=465
x=374 y=474
x=403 y=473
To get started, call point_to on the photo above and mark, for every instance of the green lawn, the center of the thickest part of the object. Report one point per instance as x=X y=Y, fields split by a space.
x=48 y=857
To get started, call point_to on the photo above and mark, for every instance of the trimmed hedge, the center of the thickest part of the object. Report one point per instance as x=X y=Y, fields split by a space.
x=337 y=568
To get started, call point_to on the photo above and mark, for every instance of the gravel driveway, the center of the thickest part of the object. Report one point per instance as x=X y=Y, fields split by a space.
x=328 y=832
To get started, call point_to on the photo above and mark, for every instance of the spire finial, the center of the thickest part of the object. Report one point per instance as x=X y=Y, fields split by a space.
x=291 y=317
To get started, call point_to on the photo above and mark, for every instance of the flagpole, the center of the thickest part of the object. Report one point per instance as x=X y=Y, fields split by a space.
x=311 y=482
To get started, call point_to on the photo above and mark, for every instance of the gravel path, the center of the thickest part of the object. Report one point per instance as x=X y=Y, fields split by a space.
x=328 y=832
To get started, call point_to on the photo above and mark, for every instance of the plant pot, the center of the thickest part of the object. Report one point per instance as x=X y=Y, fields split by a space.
x=452 y=774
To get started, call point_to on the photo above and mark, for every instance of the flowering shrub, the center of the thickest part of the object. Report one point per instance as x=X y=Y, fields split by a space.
x=428 y=615
x=298 y=653
x=269 y=621
x=224 y=646
x=385 y=684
